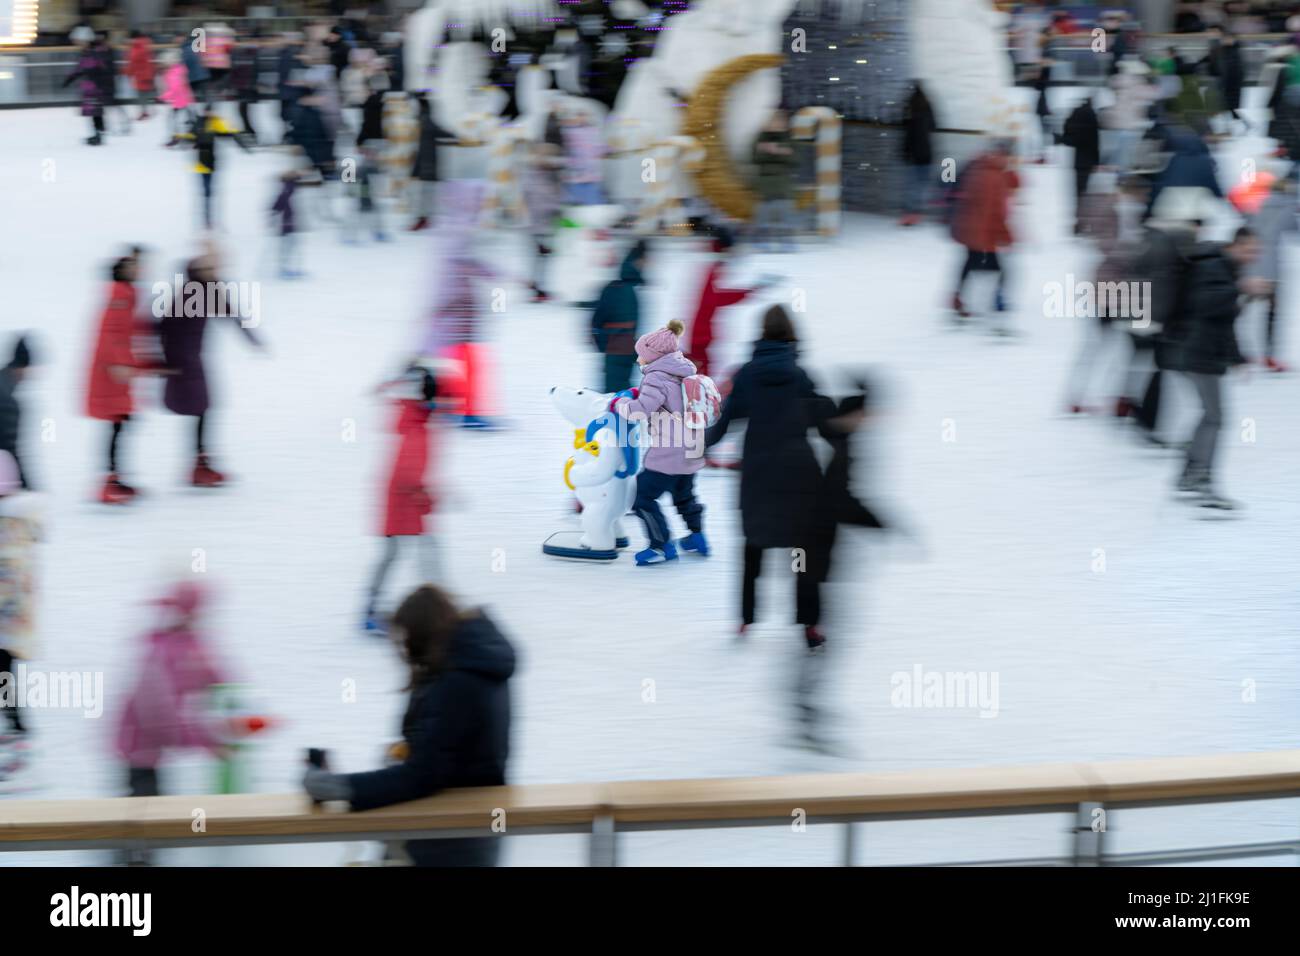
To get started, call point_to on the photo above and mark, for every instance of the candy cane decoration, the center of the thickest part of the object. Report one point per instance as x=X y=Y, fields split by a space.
x=666 y=192
x=822 y=125
x=504 y=196
x=402 y=134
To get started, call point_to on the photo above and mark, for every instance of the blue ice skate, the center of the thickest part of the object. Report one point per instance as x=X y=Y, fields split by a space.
x=696 y=542
x=655 y=556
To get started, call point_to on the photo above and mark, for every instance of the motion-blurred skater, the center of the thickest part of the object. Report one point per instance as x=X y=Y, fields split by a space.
x=408 y=500
x=181 y=333
x=616 y=317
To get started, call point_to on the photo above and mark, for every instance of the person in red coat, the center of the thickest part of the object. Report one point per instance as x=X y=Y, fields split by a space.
x=140 y=68
x=712 y=298
x=114 y=365
x=407 y=501
x=981 y=220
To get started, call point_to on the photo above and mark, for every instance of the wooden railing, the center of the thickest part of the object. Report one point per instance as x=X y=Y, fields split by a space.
x=605 y=809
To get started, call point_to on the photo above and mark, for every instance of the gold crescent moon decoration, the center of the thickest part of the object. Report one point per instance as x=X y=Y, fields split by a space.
x=717 y=178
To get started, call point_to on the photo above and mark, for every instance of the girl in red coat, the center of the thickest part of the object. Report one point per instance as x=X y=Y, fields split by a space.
x=140 y=68
x=712 y=298
x=408 y=499
x=114 y=365
x=981 y=220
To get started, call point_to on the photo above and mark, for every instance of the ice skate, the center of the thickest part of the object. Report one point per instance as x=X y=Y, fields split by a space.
x=657 y=555
x=204 y=475
x=1212 y=500
x=696 y=543
x=814 y=638
x=115 y=491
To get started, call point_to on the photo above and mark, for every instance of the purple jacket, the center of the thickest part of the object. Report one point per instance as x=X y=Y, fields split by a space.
x=181 y=337
x=673 y=450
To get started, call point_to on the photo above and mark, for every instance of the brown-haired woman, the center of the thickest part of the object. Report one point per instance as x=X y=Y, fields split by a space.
x=456 y=732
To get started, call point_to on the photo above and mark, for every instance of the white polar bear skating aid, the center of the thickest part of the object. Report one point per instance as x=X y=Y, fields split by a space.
x=602 y=472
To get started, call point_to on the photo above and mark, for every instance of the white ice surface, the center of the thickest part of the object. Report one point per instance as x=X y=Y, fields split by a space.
x=1145 y=659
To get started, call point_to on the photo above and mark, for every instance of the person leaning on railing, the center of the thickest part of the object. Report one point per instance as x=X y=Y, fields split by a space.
x=457 y=725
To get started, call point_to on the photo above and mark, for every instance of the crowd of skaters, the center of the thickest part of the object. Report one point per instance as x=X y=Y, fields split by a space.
x=1145 y=214
x=1144 y=151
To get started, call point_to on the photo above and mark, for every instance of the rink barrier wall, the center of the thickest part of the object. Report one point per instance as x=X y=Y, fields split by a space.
x=604 y=810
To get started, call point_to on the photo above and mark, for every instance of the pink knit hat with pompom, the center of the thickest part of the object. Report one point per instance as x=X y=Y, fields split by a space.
x=661 y=342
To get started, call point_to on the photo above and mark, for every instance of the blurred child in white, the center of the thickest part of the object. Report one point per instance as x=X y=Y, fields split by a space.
x=19 y=532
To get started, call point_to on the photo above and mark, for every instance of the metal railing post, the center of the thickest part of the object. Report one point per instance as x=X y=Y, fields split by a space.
x=1087 y=837
x=850 y=843
x=604 y=841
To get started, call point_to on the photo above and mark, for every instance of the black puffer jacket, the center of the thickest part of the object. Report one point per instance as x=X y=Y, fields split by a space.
x=1205 y=341
x=1082 y=133
x=457 y=731
x=779 y=478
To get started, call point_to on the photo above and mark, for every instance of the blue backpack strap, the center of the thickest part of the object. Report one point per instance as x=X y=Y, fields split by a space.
x=631 y=453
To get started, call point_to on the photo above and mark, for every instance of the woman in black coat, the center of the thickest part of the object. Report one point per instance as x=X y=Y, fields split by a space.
x=779 y=476
x=425 y=168
x=918 y=153
x=1226 y=66
x=456 y=732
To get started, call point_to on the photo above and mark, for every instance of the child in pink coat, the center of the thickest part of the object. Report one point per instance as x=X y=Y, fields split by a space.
x=673 y=458
x=166 y=710
x=176 y=92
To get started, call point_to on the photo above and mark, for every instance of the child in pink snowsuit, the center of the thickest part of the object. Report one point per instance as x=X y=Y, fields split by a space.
x=455 y=330
x=165 y=710
x=176 y=93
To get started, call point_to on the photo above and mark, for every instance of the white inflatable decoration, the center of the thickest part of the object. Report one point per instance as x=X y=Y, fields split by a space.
x=959 y=54
x=709 y=34
x=603 y=470
x=455 y=73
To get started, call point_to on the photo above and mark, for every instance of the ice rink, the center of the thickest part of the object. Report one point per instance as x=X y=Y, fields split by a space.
x=1181 y=639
